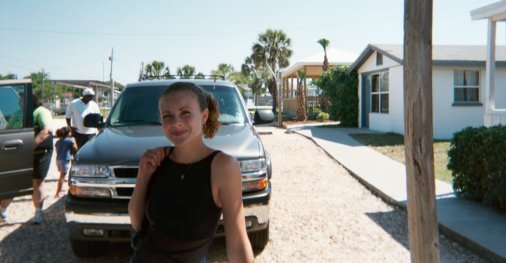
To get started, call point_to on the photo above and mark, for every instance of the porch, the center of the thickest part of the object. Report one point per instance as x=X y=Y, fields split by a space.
x=494 y=13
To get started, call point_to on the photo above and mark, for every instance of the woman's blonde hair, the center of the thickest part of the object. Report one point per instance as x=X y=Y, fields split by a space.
x=206 y=101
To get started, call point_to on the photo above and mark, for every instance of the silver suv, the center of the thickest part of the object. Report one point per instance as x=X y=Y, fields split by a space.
x=104 y=171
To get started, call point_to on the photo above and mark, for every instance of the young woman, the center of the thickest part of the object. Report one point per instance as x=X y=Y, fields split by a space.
x=181 y=191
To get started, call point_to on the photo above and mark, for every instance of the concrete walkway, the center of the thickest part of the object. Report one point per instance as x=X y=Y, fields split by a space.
x=479 y=228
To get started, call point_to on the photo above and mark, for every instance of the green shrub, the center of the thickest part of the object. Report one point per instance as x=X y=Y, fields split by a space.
x=322 y=116
x=477 y=159
x=341 y=91
x=312 y=112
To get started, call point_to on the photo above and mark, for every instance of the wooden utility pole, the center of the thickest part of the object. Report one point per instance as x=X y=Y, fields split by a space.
x=418 y=131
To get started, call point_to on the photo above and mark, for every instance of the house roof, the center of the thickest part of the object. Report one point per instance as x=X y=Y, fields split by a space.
x=495 y=12
x=442 y=55
x=313 y=64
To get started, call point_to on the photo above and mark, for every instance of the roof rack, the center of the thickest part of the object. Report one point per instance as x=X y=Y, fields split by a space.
x=209 y=77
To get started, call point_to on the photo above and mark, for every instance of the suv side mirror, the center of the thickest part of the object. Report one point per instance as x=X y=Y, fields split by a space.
x=93 y=120
x=263 y=116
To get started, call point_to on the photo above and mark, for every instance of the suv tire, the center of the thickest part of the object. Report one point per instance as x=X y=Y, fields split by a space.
x=87 y=249
x=259 y=239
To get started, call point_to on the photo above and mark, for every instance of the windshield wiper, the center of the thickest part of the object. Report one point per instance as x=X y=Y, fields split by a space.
x=231 y=122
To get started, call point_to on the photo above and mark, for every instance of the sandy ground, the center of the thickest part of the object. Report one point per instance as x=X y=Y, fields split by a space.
x=318 y=213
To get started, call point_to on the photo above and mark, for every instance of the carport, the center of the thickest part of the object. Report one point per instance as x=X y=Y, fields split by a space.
x=313 y=66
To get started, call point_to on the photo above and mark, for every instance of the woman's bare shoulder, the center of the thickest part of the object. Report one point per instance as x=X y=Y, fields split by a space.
x=225 y=165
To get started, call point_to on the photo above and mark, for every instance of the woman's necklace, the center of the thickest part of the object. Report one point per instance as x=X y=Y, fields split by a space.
x=186 y=171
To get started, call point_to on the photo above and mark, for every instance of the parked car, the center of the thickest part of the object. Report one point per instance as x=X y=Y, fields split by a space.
x=104 y=171
x=16 y=138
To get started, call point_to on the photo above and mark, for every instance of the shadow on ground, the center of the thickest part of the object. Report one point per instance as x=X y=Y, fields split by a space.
x=49 y=242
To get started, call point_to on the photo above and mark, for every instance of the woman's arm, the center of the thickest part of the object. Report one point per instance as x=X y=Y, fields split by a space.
x=227 y=176
x=148 y=163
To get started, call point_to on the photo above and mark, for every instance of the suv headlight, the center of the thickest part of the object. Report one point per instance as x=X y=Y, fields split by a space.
x=255 y=165
x=254 y=174
x=96 y=171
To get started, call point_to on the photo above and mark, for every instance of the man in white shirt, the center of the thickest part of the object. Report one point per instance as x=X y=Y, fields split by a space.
x=76 y=111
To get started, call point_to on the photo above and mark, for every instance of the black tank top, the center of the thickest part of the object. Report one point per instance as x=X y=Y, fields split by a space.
x=181 y=213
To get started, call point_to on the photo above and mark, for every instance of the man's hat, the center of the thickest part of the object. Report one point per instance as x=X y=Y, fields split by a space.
x=88 y=92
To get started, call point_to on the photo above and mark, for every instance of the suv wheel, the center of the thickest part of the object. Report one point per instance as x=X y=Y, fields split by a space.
x=86 y=249
x=259 y=239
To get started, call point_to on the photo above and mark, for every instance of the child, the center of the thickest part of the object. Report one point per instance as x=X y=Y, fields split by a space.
x=65 y=147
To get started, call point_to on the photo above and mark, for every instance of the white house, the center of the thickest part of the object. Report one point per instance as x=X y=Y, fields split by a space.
x=458 y=87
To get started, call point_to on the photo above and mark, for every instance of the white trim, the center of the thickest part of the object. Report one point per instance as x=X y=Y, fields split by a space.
x=495 y=11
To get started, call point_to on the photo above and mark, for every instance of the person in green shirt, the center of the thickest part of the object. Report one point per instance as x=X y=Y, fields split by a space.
x=42 y=153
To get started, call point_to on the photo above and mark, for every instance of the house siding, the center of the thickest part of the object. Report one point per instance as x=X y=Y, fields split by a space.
x=380 y=121
x=393 y=121
x=383 y=121
x=500 y=88
x=447 y=118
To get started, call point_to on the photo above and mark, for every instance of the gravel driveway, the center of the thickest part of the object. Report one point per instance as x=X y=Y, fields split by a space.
x=319 y=213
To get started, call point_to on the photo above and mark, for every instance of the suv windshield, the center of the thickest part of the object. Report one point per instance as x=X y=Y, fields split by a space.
x=139 y=106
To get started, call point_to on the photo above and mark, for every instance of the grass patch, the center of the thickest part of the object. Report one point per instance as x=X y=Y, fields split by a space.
x=392 y=145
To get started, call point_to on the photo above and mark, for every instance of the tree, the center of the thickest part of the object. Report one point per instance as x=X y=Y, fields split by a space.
x=158 y=67
x=41 y=85
x=301 y=98
x=156 y=70
x=272 y=50
x=200 y=75
x=223 y=70
x=324 y=43
x=186 y=72
x=341 y=90
x=8 y=76
x=255 y=81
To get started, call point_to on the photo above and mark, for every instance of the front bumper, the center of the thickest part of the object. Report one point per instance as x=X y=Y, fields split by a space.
x=104 y=220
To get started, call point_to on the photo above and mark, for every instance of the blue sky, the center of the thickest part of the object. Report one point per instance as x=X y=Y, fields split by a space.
x=73 y=39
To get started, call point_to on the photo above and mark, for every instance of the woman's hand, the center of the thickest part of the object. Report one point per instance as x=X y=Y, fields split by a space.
x=150 y=161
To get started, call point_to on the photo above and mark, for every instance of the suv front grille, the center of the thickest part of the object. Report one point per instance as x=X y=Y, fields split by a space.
x=125 y=172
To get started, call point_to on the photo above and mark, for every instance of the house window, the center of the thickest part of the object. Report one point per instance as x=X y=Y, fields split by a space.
x=379 y=93
x=379 y=59
x=466 y=86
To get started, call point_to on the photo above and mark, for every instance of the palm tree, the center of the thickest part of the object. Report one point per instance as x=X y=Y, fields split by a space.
x=166 y=73
x=158 y=67
x=149 y=71
x=255 y=81
x=324 y=43
x=301 y=98
x=186 y=72
x=156 y=70
x=223 y=70
x=272 y=50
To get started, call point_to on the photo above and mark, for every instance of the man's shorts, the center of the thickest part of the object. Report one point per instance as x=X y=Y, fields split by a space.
x=41 y=163
x=63 y=166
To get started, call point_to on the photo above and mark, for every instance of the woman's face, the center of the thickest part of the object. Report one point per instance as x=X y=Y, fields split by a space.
x=181 y=117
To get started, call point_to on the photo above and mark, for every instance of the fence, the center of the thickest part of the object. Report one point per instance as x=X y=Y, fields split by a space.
x=290 y=104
